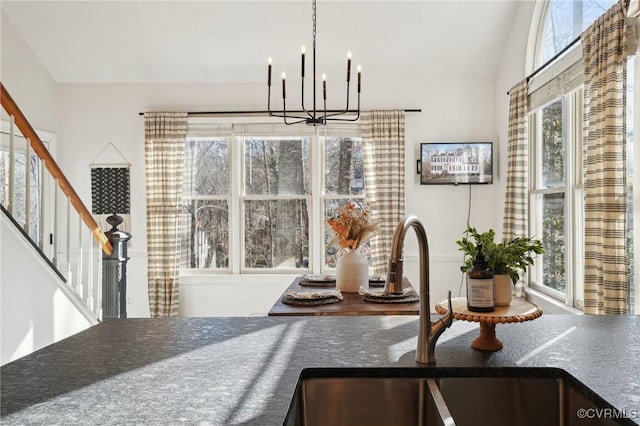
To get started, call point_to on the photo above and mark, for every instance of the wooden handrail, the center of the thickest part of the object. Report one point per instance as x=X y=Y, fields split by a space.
x=38 y=147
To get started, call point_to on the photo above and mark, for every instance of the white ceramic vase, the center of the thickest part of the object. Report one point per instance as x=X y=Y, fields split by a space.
x=352 y=272
x=504 y=288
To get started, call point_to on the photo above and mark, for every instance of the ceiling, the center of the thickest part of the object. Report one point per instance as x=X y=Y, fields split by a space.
x=230 y=41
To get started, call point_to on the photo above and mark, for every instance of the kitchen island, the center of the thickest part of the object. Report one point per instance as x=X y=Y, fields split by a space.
x=236 y=371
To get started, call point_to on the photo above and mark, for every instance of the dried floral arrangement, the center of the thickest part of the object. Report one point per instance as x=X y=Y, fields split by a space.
x=351 y=226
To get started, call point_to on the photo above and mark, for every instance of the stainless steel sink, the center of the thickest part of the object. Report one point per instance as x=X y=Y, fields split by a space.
x=442 y=396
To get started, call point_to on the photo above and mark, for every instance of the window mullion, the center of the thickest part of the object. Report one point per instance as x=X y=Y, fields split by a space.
x=569 y=117
x=236 y=213
x=317 y=203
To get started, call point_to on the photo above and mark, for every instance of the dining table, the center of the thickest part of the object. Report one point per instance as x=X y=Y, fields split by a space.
x=351 y=304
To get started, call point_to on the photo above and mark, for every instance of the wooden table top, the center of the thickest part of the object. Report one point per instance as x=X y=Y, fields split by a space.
x=351 y=304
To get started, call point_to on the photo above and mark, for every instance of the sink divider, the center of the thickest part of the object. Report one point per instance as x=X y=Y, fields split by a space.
x=440 y=403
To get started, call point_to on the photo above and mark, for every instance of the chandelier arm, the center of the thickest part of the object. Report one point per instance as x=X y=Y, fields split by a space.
x=285 y=116
x=329 y=117
x=344 y=111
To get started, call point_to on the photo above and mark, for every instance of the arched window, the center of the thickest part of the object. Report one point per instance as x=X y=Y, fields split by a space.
x=563 y=21
x=555 y=114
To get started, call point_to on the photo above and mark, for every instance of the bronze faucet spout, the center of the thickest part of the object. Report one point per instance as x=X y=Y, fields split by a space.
x=429 y=332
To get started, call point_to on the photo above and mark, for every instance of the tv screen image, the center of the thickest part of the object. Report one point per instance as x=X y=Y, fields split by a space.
x=454 y=163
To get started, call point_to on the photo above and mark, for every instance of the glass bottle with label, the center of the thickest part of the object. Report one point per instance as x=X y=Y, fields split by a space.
x=480 y=286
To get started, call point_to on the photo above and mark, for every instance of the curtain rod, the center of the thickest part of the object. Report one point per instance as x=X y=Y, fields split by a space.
x=553 y=58
x=194 y=113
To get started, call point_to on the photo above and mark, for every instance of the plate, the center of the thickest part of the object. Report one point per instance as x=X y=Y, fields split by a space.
x=387 y=296
x=312 y=295
x=319 y=278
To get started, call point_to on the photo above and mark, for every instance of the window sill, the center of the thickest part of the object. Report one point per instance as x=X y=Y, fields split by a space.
x=548 y=304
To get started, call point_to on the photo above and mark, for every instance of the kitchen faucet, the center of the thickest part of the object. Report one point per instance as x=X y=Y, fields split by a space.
x=429 y=332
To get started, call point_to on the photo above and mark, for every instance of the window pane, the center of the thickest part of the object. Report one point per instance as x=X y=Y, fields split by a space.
x=19 y=195
x=553 y=147
x=206 y=166
x=344 y=169
x=564 y=20
x=276 y=166
x=276 y=234
x=553 y=240
x=205 y=234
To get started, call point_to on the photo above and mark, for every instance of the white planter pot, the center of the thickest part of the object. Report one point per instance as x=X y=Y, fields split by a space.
x=352 y=272
x=504 y=289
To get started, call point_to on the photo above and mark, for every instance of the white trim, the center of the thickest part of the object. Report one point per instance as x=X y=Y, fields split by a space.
x=634 y=9
x=636 y=162
x=548 y=304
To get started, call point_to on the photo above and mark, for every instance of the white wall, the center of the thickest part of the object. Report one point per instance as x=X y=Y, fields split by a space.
x=26 y=79
x=453 y=109
x=91 y=116
x=34 y=310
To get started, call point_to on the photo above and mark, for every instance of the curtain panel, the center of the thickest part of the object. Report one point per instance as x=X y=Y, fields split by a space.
x=516 y=197
x=383 y=136
x=165 y=137
x=604 y=144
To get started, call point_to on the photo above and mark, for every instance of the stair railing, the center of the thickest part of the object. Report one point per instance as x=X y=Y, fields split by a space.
x=71 y=239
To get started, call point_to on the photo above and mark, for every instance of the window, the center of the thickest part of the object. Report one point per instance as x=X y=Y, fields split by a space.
x=275 y=202
x=556 y=208
x=556 y=194
x=254 y=199
x=38 y=199
x=205 y=204
x=564 y=21
x=343 y=182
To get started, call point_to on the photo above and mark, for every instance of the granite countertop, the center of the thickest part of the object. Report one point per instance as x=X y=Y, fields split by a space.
x=236 y=371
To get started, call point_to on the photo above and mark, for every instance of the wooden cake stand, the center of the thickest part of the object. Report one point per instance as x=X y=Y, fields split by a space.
x=517 y=311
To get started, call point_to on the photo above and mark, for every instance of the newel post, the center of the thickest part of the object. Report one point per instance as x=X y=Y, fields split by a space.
x=114 y=272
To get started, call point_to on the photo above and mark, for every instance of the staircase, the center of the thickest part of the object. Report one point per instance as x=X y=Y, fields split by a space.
x=51 y=248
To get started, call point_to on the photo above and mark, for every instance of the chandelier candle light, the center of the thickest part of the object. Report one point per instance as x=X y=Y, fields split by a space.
x=314 y=117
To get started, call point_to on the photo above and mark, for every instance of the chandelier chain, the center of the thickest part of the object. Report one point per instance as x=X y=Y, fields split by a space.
x=313 y=17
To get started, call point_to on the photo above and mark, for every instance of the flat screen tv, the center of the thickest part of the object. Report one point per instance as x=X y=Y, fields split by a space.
x=454 y=163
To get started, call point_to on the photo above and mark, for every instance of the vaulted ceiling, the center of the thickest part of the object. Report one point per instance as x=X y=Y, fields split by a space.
x=230 y=41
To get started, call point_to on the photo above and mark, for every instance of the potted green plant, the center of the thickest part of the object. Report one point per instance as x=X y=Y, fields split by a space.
x=506 y=258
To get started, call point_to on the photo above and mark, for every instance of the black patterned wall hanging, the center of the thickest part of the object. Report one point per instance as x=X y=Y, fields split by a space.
x=110 y=190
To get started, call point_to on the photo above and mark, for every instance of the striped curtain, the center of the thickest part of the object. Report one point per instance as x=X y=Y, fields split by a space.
x=516 y=202
x=383 y=136
x=605 y=183
x=165 y=137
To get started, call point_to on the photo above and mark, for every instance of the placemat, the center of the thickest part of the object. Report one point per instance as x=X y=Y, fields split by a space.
x=409 y=297
x=289 y=300
x=317 y=280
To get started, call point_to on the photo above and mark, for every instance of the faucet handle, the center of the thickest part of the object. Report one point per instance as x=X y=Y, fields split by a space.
x=448 y=317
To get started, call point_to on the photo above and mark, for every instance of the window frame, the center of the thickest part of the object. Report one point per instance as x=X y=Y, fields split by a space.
x=570 y=88
x=571 y=188
x=47 y=187
x=236 y=129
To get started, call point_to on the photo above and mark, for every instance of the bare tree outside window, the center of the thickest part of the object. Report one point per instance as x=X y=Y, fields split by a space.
x=344 y=182
x=205 y=207
x=564 y=21
x=19 y=196
x=270 y=184
x=276 y=218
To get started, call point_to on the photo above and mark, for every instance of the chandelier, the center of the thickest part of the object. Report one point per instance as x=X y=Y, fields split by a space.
x=314 y=117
